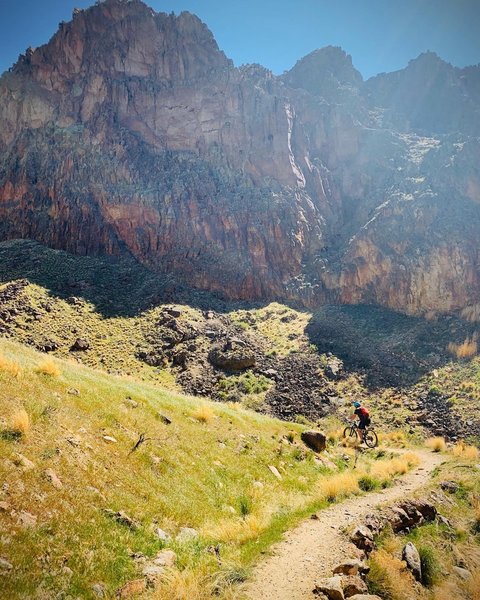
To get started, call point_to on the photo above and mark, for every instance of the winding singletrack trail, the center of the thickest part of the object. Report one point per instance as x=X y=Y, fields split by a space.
x=315 y=547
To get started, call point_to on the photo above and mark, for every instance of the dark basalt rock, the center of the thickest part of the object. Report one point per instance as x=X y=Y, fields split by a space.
x=316 y=440
x=80 y=345
x=232 y=358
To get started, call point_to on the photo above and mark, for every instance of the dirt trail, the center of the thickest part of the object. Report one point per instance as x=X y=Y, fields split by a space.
x=310 y=551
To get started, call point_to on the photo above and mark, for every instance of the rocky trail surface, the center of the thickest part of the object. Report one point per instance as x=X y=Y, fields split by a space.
x=312 y=550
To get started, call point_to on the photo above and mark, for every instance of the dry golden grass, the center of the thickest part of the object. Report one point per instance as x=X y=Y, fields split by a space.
x=473 y=585
x=448 y=590
x=382 y=471
x=436 y=444
x=334 y=435
x=238 y=531
x=394 y=438
x=20 y=422
x=475 y=503
x=199 y=585
x=467 y=349
x=339 y=486
x=461 y=450
x=392 y=544
x=400 y=465
x=48 y=367
x=203 y=414
x=454 y=590
x=412 y=459
x=9 y=366
x=350 y=442
x=389 y=577
x=180 y=585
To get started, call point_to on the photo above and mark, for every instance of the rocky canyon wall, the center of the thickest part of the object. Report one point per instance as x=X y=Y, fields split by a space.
x=130 y=131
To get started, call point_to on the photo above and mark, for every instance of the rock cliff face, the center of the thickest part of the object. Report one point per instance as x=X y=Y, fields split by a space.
x=130 y=131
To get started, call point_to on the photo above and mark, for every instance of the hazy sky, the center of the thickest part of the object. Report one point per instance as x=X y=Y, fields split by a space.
x=381 y=35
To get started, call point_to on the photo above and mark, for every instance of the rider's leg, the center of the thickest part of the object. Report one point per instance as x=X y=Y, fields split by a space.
x=362 y=427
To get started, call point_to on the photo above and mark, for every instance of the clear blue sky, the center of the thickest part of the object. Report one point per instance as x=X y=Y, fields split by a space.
x=381 y=35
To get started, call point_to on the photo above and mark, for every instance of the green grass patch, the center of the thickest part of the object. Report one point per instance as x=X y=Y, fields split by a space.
x=367 y=483
x=431 y=569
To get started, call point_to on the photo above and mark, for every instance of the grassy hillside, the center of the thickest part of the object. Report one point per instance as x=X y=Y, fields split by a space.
x=92 y=465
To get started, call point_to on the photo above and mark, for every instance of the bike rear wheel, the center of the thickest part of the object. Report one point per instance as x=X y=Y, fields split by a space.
x=350 y=432
x=370 y=438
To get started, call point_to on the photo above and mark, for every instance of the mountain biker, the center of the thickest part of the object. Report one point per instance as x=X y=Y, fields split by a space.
x=363 y=415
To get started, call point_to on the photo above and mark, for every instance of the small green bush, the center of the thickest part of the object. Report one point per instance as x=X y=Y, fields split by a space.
x=299 y=454
x=244 y=505
x=302 y=420
x=367 y=483
x=234 y=386
x=430 y=566
x=461 y=492
x=229 y=576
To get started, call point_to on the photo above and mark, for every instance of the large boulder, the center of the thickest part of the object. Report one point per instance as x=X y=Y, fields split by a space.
x=232 y=357
x=411 y=556
x=80 y=345
x=316 y=440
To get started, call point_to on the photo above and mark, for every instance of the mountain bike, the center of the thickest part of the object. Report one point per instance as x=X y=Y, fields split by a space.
x=366 y=435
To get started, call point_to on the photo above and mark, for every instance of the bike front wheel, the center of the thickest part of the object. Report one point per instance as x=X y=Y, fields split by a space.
x=350 y=432
x=370 y=438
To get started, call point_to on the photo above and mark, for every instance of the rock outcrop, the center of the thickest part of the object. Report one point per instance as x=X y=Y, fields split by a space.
x=401 y=517
x=130 y=131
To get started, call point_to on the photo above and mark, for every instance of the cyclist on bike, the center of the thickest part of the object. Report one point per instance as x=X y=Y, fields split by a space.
x=363 y=415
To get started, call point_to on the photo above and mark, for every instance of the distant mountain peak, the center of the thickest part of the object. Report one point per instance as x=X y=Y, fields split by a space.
x=330 y=58
x=428 y=60
x=324 y=72
x=125 y=36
